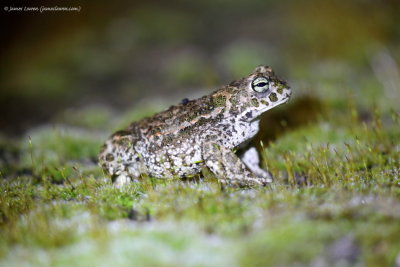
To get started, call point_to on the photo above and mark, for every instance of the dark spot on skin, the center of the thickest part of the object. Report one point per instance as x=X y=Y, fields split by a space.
x=249 y=114
x=137 y=159
x=103 y=148
x=219 y=101
x=273 y=97
x=243 y=134
x=123 y=141
x=187 y=130
x=167 y=139
x=185 y=101
x=121 y=133
x=190 y=117
x=233 y=100
x=280 y=90
x=109 y=157
x=266 y=103
x=235 y=83
x=155 y=130
x=254 y=102
x=202 y=121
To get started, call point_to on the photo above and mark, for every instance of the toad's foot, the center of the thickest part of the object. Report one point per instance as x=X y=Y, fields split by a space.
x=121 y=180
x=228 y=168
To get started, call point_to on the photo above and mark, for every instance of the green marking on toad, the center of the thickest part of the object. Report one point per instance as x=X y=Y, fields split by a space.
x=199 y=133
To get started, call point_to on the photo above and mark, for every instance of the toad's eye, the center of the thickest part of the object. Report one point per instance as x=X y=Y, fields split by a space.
x=260 y=84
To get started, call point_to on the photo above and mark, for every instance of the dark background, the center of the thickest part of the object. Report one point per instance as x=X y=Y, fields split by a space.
x=115 y=54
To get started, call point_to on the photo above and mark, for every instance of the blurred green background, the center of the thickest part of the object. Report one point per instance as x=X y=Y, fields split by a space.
x=116 y=55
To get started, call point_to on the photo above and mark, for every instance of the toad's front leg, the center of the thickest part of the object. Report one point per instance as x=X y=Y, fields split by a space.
x=251 y=159
x=228 y=168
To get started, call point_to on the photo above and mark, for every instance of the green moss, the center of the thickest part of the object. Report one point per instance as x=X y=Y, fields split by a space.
x=285 y=243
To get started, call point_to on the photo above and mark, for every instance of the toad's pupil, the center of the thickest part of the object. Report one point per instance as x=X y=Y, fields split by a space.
x=262 y=84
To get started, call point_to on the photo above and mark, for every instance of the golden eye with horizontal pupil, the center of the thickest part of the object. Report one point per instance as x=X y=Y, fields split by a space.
x=260 y=84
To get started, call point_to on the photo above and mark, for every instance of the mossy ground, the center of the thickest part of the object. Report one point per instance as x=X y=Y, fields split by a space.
x=335 y=199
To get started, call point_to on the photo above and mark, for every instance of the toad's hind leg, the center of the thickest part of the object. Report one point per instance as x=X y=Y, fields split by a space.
x=228 y=167
x=119 y=160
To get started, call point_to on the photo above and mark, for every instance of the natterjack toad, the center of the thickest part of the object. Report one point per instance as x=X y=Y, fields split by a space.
x=200 y=133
